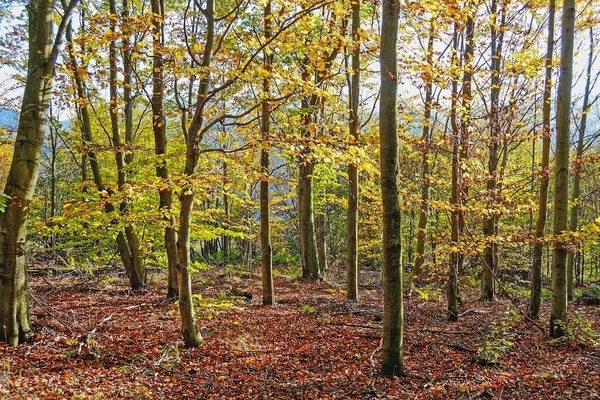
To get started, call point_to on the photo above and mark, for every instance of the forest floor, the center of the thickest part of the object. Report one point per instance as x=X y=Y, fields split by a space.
x=96 y=340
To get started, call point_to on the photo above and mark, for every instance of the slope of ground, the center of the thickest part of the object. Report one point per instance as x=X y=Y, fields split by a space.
x=99 y=341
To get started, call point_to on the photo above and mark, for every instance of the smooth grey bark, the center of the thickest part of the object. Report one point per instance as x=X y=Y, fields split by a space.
x=127 y=241
x=455 y=196
x=392 y=355
x=354 y=128
x=268 y=289
x=311 y=103
x=227 y=223
x=88 y=140
x=538 y=247
x=306 y=219
x=576 y=192
x=490 y=252
x=165 y=192
x=15 y=324
x=558 y=315
x=193 y=136
x=425 y=165
x=320 y=228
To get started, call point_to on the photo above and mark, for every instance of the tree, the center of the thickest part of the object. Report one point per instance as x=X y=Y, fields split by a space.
x=490 y=224
x=129 y=249
x=455 y=196
x=392 y=358
x=578 y=164
x=315 y=67
x=22 y=177
x=538 y=247
x=558 y=316
x=425 y=163
x=265 y=209
x=354 y=128
x=159 y=128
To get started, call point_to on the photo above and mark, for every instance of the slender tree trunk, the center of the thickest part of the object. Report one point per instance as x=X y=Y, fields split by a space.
x=87 y=134
x=308 y=243
x=425 y=166
x=165 y=193
x=490 y=253
x=127 y=241
x=15 y=324
x=306 y=219
x=575 y=200
x=227 y=222
x=558 y=316
x=311 y=103
x=455 y=213
x=321 y=236
x=193 y=137
x=265 y=223
x=392 y=357
x=538 y=248
x=354 y=128
x=189 y=329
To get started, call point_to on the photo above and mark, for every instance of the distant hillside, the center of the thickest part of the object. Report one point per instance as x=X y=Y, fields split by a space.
x=9 y=119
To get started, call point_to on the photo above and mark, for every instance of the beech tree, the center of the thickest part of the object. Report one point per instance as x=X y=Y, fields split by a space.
x=558 y=316
x=159 y=127
x=22 y=178
x=538 y=247
x=265 y=209
x=393 y=315
x=354 y=130
x=578 y=163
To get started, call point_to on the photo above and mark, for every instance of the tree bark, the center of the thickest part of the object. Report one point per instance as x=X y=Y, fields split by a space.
x=311 y=103
x=321 y=236
x=538 y=248
x=490 y=252
x=306 y=219
x=575 y=200
x=392 y=357
x=354 y=128
x=558 y=315
x=15 y=324
x=193 y=137
x=455 y=213
x=425 y=166
x=165 y=193
x=265 y=223
x=130 y=250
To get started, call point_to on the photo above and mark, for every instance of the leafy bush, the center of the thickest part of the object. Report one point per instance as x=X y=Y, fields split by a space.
x=497 y=342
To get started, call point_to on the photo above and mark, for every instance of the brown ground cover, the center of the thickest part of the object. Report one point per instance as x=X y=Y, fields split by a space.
x=98 y=340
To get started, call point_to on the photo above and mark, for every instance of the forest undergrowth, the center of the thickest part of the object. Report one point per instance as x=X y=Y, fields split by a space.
x=97 y=340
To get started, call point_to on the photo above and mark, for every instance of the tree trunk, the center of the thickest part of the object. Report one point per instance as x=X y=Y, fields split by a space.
x=538 y=248
x=311 y=102
x=132 y=258
x=193 y=136
x=425 y=167
x=265 y=223
x=165 y=193
x=227 y=222
x=321 y=236
x=455 y=213
x=306 y=220
x=392 y=357
x=575 y=200
x=490 y=252
x=558 y=315
x=189 y=329
x=15 y=324
x=354 y=128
